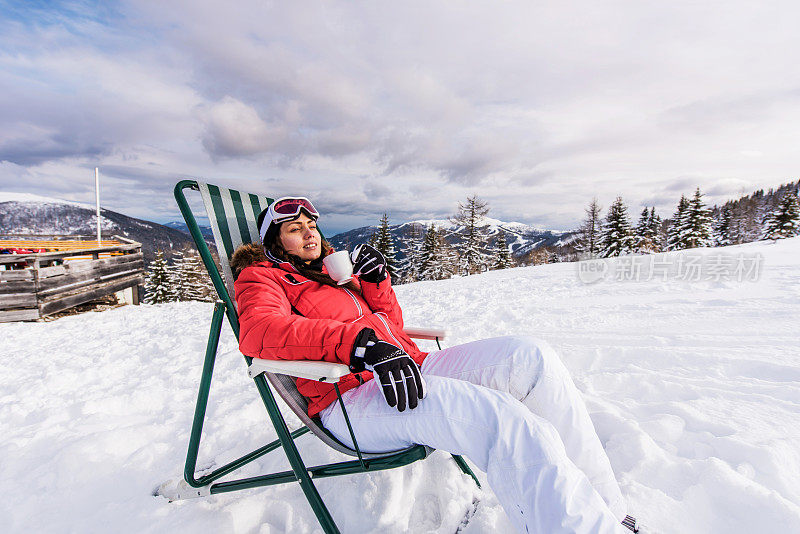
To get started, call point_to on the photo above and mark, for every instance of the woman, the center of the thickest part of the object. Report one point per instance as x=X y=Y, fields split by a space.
x=508 y=404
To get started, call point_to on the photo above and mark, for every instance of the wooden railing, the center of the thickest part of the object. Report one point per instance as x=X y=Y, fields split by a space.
x=39 y=284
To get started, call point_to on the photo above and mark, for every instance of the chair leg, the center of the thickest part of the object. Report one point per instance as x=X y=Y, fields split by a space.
x=298 y=467
x=202 y=396
x=465 y=468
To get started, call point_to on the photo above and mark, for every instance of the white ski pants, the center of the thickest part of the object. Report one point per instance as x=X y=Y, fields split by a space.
x=509 y=405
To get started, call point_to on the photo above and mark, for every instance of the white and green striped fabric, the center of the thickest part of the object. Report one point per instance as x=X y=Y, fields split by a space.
x=232 y=216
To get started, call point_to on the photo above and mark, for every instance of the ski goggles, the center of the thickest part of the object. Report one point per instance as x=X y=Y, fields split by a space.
x=285 y=209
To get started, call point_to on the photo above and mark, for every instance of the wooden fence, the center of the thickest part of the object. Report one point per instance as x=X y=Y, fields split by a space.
x=39 y=284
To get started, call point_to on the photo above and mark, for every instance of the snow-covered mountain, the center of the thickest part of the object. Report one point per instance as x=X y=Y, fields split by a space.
x=205 y=230
x=26 y=214
x=521 y=238
x=22 y=213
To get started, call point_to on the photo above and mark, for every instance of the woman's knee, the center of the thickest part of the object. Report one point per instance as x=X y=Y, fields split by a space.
x=530 y=345
x=532 y=359
x=526 y=364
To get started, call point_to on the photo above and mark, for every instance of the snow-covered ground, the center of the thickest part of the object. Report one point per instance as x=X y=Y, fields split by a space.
x=692 y=377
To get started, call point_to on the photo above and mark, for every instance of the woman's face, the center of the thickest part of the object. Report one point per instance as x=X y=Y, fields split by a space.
x=301 y=238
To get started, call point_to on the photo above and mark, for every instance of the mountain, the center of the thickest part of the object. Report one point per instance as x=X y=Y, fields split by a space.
x=181 y=227
x=521 y=238
x=22 y=213
x=25 y=214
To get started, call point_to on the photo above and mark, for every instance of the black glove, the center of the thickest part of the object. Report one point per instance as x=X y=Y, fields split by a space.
x=368 y=264
x=398 y=374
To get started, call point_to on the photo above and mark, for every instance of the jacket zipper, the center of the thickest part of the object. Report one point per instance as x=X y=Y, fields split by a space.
x=389 y=329
x=360 y=311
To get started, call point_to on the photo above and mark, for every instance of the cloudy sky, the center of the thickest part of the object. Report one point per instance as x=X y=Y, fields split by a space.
x=403 y=107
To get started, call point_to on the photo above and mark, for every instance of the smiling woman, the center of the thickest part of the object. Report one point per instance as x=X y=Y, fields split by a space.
x=301 y=238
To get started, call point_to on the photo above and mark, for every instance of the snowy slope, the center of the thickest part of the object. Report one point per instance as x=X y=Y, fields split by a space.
x=693 y=386
x=6 y=196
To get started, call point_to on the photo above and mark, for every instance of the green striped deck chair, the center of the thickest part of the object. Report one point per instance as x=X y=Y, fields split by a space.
x=232 y=216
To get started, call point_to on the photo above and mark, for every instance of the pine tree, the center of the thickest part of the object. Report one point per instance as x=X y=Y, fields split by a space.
x=411 y=265
x=654 y=230
x=502 y=256
x=446 y=258
x=384 y=243
x=698 y=223
x=177 y=282
x=590 y=232
x=640 y=232
x=784 y=221
x=429 y=268
x=194 y=280
x=438 y=260
x=473 y=258
x=739 y=223
x=373 y=239
x=538 y=256
x=158 y=283
x=645 y=234
x=752 y=221
x=617 y=237
x=724 y=229
x=676 y=235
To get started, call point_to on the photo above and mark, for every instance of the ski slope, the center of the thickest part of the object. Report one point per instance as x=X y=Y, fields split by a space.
x=693 y=383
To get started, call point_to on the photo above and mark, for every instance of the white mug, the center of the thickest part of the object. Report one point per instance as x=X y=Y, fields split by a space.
x=339 y=266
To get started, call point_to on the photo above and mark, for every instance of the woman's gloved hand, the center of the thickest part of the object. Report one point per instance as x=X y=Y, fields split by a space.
x=368 y=264
x=401 y=381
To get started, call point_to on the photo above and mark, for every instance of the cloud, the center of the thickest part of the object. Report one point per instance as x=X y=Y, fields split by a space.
x=235 y=129
x=344 y=141
x=28 y=144
x=364 y=104
x=715 y=112
x=375 y=190
x=728 y=187
x=681 y=185
x=664 y=201
x=74 y=87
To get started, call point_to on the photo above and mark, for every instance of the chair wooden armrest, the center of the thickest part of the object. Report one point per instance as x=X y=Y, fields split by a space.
x=425 y=333
x=312 y=370
x=326 y=371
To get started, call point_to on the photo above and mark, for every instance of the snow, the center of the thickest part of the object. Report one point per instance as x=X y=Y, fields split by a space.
x=693 y=386
x=493 y=224
x=28 y=197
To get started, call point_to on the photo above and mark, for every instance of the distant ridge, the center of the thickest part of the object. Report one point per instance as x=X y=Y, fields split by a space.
x=22 y=213
x=521 y=238
x=29 y=197
x=181 y=226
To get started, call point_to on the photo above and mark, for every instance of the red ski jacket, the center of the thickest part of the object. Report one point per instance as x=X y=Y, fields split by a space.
x=285 y=316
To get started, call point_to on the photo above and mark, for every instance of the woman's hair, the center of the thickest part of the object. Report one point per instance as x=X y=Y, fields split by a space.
x=309 y=270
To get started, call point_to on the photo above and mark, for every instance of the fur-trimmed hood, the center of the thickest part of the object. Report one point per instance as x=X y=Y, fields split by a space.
x=245 y=256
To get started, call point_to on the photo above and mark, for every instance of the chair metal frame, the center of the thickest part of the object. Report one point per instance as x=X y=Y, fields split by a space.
x=209 y=484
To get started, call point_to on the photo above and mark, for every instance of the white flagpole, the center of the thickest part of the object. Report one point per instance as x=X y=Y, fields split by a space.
x=97 y=201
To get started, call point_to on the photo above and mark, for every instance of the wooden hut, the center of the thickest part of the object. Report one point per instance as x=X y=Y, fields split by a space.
x=41 y=275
